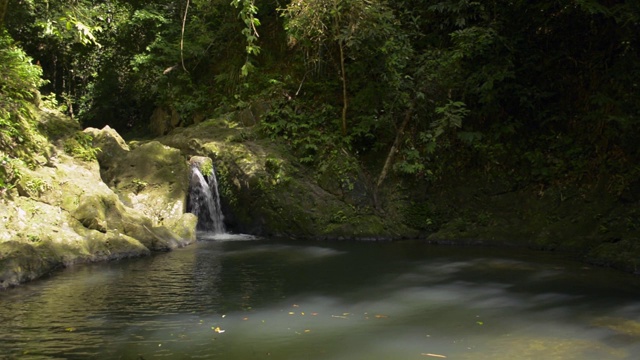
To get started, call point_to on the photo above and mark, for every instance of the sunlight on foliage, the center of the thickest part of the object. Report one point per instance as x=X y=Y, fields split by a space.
x=81 y=146
x=19 y=138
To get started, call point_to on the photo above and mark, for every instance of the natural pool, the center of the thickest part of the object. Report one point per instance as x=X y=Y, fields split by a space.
x=237 y=298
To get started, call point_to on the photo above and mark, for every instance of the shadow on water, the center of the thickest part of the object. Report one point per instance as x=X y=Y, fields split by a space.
x=240 y=297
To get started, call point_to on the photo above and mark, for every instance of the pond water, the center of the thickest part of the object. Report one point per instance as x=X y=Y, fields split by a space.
x=238 y=298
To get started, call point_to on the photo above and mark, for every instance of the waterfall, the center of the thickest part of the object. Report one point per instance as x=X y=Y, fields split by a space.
x=204 y=201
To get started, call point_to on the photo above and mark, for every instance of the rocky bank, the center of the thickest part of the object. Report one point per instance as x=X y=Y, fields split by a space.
x=131 y=201
x=62 y=212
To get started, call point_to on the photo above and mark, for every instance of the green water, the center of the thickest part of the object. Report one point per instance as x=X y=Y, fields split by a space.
x=268 y=299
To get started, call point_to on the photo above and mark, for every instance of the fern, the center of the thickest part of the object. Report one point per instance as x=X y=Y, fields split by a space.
x=19 y=138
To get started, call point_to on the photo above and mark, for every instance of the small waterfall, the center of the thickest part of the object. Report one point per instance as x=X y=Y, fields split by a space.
x=204 y=201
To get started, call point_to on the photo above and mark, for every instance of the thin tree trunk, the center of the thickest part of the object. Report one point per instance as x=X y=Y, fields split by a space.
x=184 y=21
x=4 y=5
x=345 y=103
x=393 y=150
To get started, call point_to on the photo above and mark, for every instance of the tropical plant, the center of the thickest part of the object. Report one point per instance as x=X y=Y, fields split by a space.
x=19 y=137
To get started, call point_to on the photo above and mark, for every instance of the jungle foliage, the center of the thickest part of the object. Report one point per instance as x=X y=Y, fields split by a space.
x=19 y=139
x=543 y=92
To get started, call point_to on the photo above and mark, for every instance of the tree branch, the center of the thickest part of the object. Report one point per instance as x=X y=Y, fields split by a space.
x=184 y=21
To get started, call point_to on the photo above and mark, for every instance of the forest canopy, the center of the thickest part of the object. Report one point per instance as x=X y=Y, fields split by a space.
x=544 y=91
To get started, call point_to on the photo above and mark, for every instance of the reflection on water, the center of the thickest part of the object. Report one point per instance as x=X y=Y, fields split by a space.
x=235 y=299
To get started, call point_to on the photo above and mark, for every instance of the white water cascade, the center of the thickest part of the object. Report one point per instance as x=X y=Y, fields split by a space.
x=204 y=201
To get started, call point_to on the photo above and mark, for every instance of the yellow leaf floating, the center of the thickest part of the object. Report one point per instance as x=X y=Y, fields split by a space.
x=434 y=355
x=217 y=329
x=70 y=329
x=380 y=316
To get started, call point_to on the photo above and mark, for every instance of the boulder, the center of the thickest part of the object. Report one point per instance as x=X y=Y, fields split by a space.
x=152 y=178
x=62 y=214
x=163 y=120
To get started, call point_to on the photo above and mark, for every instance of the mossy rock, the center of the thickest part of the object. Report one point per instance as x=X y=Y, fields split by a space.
x=21 y=262
x=149 y=177
x=623 y=254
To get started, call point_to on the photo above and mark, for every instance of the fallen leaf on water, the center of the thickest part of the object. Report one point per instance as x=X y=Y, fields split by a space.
x=380 y=316
x=296 y=305
x=217 y=329
x=245 y=318
x=291 y=313
x=434 y=355
x=314 y=314
x=339 y=316
x=302 y=313
x=307 y=330
x=70 y=329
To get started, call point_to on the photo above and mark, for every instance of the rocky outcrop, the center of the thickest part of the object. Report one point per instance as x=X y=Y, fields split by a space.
x=132 y=202
x=151 y=178
x=63 y=213
x=265 y=191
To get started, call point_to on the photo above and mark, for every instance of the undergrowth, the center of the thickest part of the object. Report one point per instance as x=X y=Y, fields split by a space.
x=19 y=139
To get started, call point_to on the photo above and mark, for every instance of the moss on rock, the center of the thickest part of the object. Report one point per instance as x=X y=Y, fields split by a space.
x=63 y=213
x=266 y=191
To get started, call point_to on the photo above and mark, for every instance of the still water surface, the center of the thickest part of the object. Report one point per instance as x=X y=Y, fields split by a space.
x=268 y=299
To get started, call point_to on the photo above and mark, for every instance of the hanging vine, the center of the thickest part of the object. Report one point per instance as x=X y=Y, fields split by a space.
x=248 y=12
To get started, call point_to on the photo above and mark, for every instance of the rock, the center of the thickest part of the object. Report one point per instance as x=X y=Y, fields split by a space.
x=151 y=178
x=245 y=117
x=163 y=120
x=264 y=191
x=64 y=214
x=203 y=163
x=91 y=214
x=21 y=262
x=112 y=145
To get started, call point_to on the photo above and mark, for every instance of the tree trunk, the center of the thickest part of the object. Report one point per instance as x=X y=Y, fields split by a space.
x=184 y=21
x=4 y=5
x=390 y=156
x=345 y=103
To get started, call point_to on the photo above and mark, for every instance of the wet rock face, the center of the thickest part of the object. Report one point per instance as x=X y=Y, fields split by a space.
x=265 y=191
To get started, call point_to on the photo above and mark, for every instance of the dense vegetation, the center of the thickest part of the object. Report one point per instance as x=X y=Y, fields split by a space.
x=544 y=92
